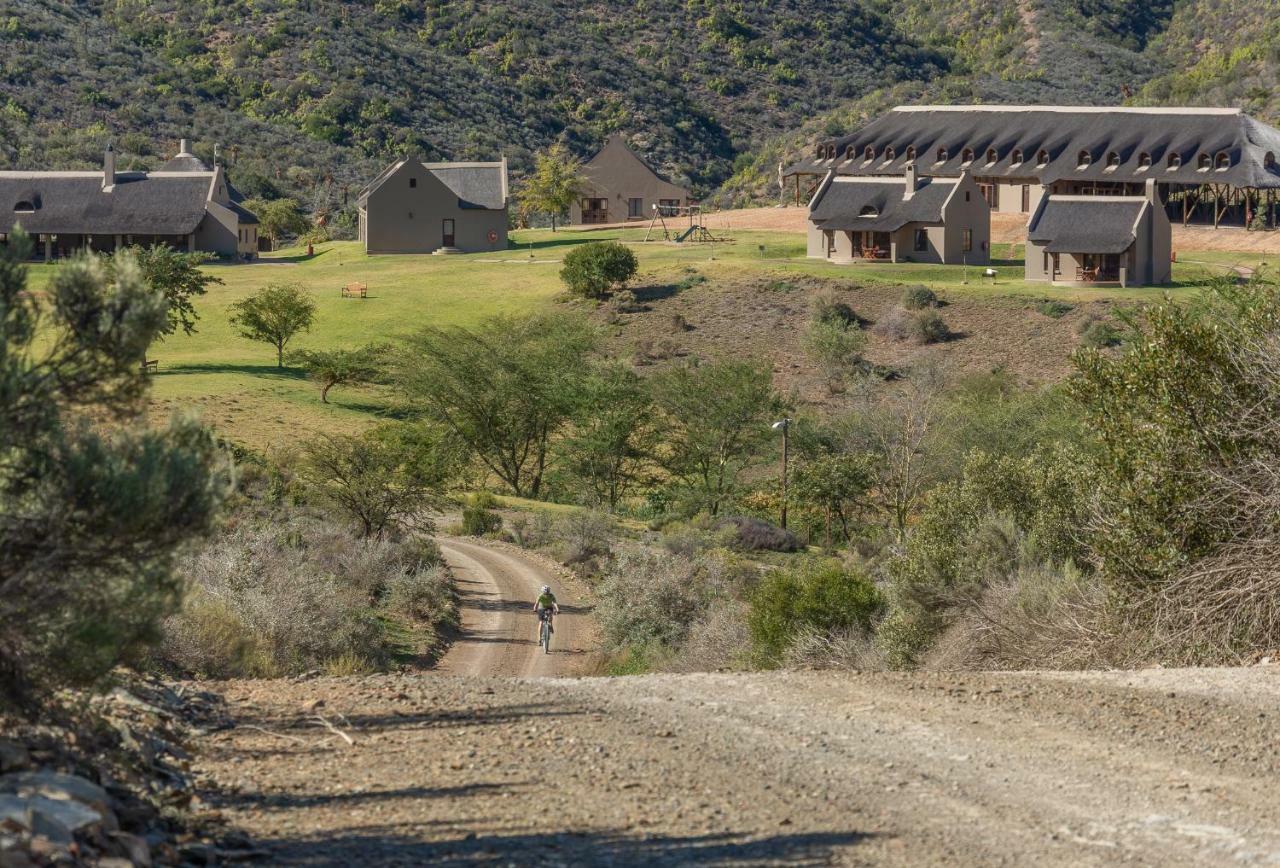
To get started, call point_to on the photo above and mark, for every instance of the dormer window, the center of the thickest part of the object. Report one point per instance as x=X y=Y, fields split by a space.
x=25 y=207
x=1015 y=159
x=849 y=151
x=1222 y=162
x=820 y=153
x=1202 y=163
x=911 y=153
x=890 y=154
x=831 y=152
x=1269 y=161
x=966 y=156
x=869 y=211
x=943 y=156
x=1144 y=161
x=1042 y=159
x=868 y=153
x=1174 y=161
x=1083 y=159
x=992 y=156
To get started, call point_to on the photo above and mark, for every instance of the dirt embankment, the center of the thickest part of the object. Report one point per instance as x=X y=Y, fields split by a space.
x=786 y=768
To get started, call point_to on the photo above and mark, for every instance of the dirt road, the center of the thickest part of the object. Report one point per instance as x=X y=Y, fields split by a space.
x=497 y=588
x=1163 y=768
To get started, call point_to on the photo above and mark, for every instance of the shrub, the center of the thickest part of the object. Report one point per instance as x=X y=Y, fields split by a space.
x=757 y=535
x=821 y=596
x=585 y=536
x=837 y=347
x=923 y=326
x=930 y=328
x=1101 y=335
x=478 y=517
x=919 y=298
x=829 y=308
x=1055 y=309
x=424 y=595
x=593 y=269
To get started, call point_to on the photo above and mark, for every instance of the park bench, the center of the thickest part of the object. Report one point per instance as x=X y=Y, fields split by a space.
x=150 y=366
x=355 y=290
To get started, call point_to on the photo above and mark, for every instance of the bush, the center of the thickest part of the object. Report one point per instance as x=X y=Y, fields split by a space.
x=593 y=269
x=1055 y=309
x=823 y=597
x=1101 y=335
x=585 y=539
x=919 y=298
x=424 y=595
x=829 y=308
x=922 y=327
x=478 y=517
x=931 y=328
x=757 y=535
x=837 y=347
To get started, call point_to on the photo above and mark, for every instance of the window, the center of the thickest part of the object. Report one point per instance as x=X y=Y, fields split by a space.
x=966 y=240
x=413 y=183
x=1113 y=160
x=1144 y=161
x=966 y=156
x=992 y=156
x=869 y=211
x=943 y=156
x=849 y=151
x=1015 y=158
x=820 y=153
x=1042 y=159
x=966 y=195
x=1269 y=161
x=635 y=207
x=1222 y=162
x=868 y=153
x=911 y=153
x=922 y=240
x=1174 y=161
x=669 y=207
x=24 y=207
x=831 y=152
x=890 y=154
x=1083 y=159
x=1202 y=163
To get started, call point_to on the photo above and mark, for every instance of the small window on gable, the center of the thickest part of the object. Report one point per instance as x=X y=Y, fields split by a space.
x=890 y=154
x=820 y=153
x=831 y=152
x=1113 y=160
x=413 y=182
x=1174 y=161
x=966 y=156
x=1222 y=162
x=1042 y=159
x=1083 y=159
x=992 y=156
x=911 y=153
x=24 y=207
x=943 y=156
x=849 y=151
x=868 y=153
x=1269 y=161
x=1144 y=161
x=1202 y=163
x=1015 y=158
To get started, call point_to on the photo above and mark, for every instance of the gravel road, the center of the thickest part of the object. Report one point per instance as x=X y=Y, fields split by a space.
x=758 y=769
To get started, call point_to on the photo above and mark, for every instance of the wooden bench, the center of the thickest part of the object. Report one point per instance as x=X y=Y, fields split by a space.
x=150 y=366
x=355 y=290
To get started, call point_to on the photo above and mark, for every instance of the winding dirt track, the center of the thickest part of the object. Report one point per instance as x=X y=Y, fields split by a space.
x=499 y=631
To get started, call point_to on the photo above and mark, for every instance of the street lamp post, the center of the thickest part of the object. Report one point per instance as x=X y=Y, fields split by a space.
x=783 y=425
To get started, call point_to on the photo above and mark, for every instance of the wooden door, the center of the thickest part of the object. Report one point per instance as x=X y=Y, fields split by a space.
x=448 y=233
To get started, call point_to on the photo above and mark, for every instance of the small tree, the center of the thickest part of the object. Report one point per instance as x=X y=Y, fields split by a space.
x=611 y=440
x=554 y=186
x=594 y=269
x=836 y=346
x=332 y=368
x=273 y=315
x=179 y=278
x=383 y=480
x=278 y=217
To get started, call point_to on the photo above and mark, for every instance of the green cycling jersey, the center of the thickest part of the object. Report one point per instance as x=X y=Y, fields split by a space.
x=546 y=601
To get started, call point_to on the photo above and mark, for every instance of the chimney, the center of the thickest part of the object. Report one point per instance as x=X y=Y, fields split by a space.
x=215 y=153
x=1153 y=193
x=910 y=175
x=184 y=148
x=109 y=168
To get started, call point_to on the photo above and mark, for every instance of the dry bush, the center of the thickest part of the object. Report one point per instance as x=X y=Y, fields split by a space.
x=849 y=649
x=719 y=639
x=756 y=535
x=829 y=307
x=925 y=326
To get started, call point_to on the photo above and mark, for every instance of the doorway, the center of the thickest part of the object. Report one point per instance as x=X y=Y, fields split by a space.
x=448 y=233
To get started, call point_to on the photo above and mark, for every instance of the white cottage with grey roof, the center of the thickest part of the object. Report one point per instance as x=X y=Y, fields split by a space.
x=900 y=219
x=417 y=207
x=185 y=204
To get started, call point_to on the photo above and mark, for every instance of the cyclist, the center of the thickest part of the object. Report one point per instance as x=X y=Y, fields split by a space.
x=546 y=607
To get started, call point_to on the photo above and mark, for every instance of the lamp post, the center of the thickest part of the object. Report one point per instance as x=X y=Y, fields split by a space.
x=783 y=425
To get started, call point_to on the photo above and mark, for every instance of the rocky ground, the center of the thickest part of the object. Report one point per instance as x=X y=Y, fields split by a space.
x=784 y=768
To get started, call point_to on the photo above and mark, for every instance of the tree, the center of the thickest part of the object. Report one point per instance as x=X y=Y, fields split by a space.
x=835 y=487
x=383 y=480
x=178 y=277
x=716 y=424
x=502 y=389
x=556 y=183
x=91 y=515
x=593 y=269
x=611 y=440
x=273 y=315
x=332 y=368
x=278 y=217
x=821 y=596
x=836 y=346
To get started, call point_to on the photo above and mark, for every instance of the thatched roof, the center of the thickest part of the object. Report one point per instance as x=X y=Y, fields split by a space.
x=1088 y=224
x=877 y=205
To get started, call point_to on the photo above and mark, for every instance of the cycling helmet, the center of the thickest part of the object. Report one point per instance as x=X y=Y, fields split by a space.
x=546 y=589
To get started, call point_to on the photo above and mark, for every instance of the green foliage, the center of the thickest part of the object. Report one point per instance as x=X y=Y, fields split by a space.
x=478 y=515
x=330 y=368
x=593 y=270
x=836 y=345
x=1055 y=309
x=274 y=315
x=830 y=308
x=554 y=185
x=179 y=277
x=822 y=596
x=716 y=421
x=278 y=218
x=832 y=489
x=652 y=599
x=502 y=390
x=918 y=298
x=91 y=516
x=610 y=442
x=1100 y=335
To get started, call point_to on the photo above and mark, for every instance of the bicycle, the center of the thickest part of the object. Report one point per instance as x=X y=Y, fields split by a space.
x=544 y=632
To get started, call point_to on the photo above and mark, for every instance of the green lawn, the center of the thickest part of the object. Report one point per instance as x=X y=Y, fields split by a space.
x=235 y=385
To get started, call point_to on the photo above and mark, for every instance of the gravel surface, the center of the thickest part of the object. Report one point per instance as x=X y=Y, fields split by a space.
x=760 y=769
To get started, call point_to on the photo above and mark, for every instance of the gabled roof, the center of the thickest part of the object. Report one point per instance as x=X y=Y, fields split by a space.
x=877 y=204
x=477 y=185
x=1088 y=224
x=1063 y=132
x=618 y=142
x=75 y=202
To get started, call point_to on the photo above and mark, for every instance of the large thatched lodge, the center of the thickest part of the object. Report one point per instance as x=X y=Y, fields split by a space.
x=1136 y=169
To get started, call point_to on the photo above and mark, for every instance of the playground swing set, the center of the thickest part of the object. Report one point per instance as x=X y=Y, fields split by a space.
x=696 y=230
